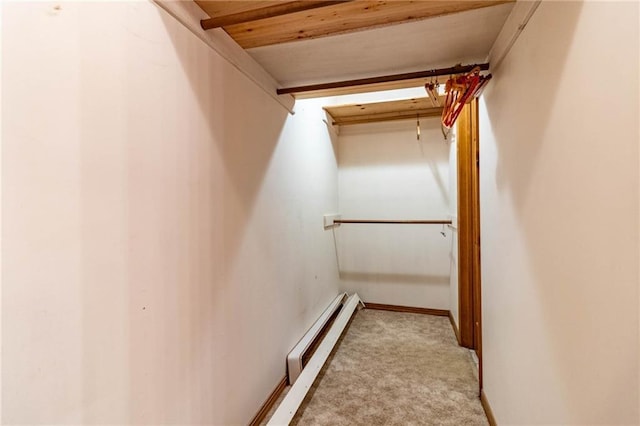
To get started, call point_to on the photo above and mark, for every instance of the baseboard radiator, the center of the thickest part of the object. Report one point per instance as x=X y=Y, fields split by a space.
x=294 y=359
x=302 y=379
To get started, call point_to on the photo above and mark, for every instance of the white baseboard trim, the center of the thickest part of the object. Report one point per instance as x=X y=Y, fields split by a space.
x=290 y=404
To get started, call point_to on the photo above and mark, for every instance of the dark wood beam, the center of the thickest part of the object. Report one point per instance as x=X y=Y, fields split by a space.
x=266 y=12
x=458 y=69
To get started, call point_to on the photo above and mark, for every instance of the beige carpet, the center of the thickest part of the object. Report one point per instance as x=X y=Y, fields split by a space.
x=395 y=368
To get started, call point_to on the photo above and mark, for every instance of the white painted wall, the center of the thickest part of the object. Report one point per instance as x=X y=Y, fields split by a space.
x=560 y=206
x=162 y=222
x=453 y=213
x=384 y=173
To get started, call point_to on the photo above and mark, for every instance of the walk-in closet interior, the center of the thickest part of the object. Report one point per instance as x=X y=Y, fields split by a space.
x=348 y=212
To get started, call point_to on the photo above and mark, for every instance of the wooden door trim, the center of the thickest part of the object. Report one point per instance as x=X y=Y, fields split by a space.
x=475 y=205
x=469 y=277
x=465 y=228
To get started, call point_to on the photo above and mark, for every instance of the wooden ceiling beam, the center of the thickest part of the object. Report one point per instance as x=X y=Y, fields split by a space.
x=372 y=81
x=344 y=18
x=280 y=9
x=215 y=8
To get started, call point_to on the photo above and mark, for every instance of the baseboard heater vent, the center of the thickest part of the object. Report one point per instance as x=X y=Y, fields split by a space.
x=295 y=357
x=305 y=377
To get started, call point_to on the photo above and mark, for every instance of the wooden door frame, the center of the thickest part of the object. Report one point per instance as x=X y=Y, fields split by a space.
x=469 y=277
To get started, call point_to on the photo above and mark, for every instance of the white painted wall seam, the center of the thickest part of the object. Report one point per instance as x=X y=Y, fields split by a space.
x=189 y=14
x=511 y=30
x=1 y=219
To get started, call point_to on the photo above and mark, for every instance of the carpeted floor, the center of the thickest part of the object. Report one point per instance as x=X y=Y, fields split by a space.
x=393 y=368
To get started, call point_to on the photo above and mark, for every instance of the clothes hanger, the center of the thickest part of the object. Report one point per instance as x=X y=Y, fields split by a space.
x=461 y=90
x=432 y=92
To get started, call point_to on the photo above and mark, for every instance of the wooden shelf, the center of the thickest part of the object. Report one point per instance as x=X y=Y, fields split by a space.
x=383 y=111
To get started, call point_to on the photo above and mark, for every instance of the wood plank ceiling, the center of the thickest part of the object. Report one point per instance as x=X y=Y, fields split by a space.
x=384 y=111
x=262 y=23
x=310 y=43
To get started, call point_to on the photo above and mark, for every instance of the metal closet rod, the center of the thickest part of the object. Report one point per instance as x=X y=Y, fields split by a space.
x=395 y=222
